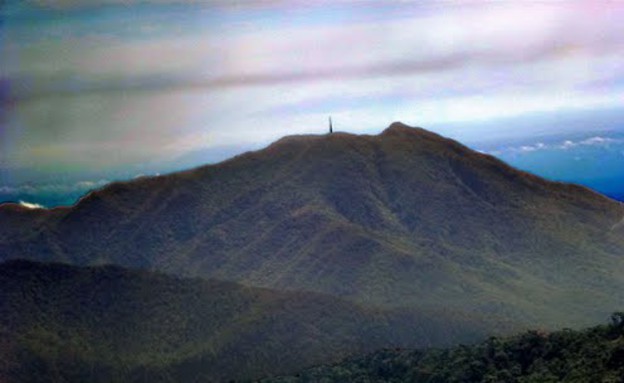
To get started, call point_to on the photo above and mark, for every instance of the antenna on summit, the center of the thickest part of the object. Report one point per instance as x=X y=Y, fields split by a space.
x=331 y=128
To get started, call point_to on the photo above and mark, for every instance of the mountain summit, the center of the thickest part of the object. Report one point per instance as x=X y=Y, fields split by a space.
x=406 y=218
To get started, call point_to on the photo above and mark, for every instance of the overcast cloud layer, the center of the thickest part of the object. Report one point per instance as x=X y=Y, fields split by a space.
x=88 y=85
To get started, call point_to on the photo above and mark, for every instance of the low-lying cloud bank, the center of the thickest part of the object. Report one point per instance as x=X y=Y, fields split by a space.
x=55 y=188
x=42 y=196
x=562 y=145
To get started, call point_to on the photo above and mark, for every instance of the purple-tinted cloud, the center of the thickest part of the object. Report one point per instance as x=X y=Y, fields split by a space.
x=154 y=78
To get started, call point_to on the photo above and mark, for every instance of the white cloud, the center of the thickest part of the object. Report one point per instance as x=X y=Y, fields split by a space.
x=563 y=145
x=597 y=141
x=592 y=141
x=29 y=205
x=219 y=83
x=532 y=148
x=567 y=144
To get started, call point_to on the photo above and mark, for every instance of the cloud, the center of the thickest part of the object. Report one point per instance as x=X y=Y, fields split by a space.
x=464 y=38
x=64 y=5
x=7 y=190
x=100 y=90
x=532 y=148
x=599 y=141
x=23 y=90
x=592 y=141
x=31 y=205
x=567 y=144
x=52 y=188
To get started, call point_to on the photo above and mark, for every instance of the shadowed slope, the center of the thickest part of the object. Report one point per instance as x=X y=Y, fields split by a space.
x=405 y=218
x=591 y=355
x=108 y=324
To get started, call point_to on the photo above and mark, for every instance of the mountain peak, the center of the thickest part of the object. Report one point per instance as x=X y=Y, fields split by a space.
x=398 y=126
x=394 y=129
x=343 y=214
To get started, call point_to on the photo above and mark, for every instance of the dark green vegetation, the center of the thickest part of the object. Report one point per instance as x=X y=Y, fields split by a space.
x=61 y=323
x=405 y=239
x=403 y=219
x=592 y=355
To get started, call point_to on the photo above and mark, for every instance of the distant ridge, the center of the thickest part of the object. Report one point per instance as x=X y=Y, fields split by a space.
x=106 y=324
x=406 y=218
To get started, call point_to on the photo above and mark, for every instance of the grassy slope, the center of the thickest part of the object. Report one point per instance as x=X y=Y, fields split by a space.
x=403 y=219
x=108 y=324
x=592 y=355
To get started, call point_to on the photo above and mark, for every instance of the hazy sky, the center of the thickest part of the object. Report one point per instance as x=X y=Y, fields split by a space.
x=97 y=86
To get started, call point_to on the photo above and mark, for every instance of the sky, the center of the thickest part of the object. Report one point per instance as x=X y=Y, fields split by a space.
x=96 y=90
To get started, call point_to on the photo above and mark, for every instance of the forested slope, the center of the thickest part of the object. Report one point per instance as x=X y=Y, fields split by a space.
x=592 y=355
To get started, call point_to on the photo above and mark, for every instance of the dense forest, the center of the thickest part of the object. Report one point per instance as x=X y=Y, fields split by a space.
x=592 y=355
x=62 y=323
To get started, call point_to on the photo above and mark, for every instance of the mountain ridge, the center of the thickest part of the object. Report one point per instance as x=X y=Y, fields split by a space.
x=405 y=218
x=395 y=128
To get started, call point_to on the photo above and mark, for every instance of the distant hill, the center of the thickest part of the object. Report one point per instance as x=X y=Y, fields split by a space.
x=61 y=323
x=405 y=219
x=592 y=355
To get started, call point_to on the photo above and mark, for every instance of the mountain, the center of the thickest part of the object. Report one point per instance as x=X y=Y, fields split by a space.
x=591 y=355
x=62 y=323
x=404 y=219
